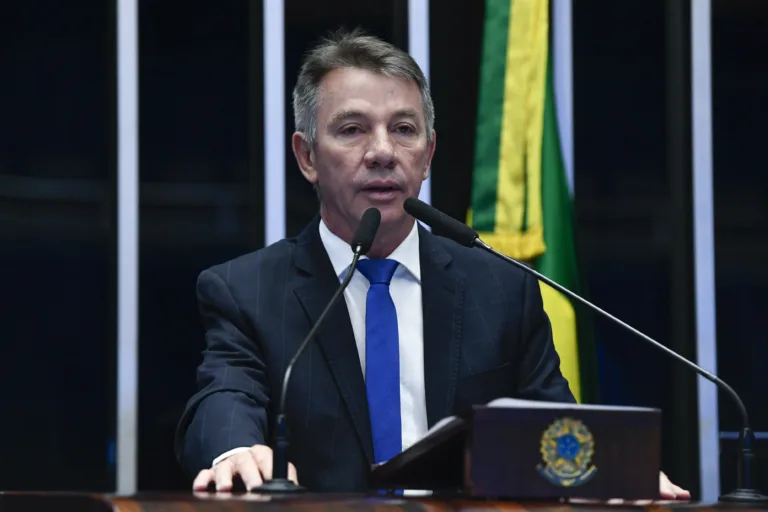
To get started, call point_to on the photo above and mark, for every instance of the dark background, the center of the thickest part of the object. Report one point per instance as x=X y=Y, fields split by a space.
x=201 y=158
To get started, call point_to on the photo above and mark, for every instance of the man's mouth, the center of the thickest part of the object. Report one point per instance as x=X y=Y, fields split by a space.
x=383 y=189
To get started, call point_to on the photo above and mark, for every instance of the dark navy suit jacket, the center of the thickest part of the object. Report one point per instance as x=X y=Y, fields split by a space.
x=485 y=336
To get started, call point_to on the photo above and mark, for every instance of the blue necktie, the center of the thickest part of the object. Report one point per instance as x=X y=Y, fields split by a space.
x=382 y=359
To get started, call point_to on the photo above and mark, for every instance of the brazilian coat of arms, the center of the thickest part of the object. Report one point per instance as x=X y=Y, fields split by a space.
x=567 y=447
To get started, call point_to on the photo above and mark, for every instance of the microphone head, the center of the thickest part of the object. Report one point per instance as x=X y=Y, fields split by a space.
x=366 y=230
x=450 y=227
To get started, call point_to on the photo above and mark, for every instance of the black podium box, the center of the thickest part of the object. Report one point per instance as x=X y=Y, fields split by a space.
x=515 y=449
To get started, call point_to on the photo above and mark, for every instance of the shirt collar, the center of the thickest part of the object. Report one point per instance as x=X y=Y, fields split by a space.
x=340 y=253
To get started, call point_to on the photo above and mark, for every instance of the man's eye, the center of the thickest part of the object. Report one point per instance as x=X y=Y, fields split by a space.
x=406 y=129
x=350 y=130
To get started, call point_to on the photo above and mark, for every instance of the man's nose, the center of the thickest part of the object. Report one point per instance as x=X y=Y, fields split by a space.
x=380 y=152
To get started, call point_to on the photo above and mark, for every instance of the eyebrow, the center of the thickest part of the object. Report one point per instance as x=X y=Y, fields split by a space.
x=407 y=112
x=344 y=114
x=348 y=114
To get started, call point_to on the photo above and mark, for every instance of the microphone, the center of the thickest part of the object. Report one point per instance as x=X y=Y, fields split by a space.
x=466 y=236
x=361 y=244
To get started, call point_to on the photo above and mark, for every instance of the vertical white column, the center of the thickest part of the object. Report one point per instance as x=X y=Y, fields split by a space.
x=127 y=244
x=274 y=121
x=704 y=247
x=418 y=48
x=562 y=56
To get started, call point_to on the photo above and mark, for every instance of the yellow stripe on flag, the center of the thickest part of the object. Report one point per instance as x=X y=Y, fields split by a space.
x=519 y=228
x=510 y=199
x=562 y=317
x=539 y=16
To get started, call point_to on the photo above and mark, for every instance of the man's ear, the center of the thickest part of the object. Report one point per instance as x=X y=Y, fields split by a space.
x=303 y=153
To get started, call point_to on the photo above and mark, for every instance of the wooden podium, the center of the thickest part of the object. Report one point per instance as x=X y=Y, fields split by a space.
x=515 y=449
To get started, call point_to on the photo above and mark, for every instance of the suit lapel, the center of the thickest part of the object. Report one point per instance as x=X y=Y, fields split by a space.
x=442 y=305
x=335 y=336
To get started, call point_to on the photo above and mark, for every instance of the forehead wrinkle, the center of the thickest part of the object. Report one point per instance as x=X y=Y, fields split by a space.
x=339 y=82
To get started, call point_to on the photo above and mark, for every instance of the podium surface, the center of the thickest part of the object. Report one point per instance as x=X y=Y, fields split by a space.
x=501 y=456
x=208 y=502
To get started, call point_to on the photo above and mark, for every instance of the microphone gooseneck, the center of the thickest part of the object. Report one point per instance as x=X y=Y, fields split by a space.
x=466 y=236
x=280 y=483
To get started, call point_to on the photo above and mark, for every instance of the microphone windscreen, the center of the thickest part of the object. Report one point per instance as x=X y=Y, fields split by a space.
x=366 y=230
x=450 y=227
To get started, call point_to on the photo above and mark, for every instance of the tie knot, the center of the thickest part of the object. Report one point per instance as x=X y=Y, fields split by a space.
x=377 y=271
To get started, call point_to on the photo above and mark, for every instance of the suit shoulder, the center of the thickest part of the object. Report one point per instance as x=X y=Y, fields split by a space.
x=261 y=261
x=476 y=262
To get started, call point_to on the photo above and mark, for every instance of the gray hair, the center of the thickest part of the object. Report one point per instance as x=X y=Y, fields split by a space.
x=353 y=50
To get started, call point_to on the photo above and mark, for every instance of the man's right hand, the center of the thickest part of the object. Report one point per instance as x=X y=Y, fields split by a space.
x=253 y=466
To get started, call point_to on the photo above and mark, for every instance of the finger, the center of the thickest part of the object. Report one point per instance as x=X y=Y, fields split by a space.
x=667 y=494
x=202 y=480
x=264 y=460
x=680 y=493
x=224 y=471
x=249 y=470
x=670 y=491
x=292 y=475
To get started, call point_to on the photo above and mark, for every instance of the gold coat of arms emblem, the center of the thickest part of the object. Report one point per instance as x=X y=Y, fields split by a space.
x=567 y=447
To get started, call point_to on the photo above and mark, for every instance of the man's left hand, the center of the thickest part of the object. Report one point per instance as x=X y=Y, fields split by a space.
x=670 y=491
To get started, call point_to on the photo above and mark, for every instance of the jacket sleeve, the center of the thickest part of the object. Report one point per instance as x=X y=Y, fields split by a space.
x=229 y=409
x=539 y=376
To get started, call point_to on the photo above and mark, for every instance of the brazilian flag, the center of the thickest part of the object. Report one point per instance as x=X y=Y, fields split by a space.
x=521 y=203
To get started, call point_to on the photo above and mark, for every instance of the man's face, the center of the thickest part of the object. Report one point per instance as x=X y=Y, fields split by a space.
x=371 y=147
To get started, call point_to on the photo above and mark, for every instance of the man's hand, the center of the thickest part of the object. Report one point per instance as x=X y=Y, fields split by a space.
x=253 y=466
x=670 y=491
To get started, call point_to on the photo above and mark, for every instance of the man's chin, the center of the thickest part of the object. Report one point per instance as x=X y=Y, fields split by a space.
x=393 y=216
x=392 y=212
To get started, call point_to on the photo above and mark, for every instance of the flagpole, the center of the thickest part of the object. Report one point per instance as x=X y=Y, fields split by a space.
x=562 y=57
x=704 y=247
x=418 y=48
x=274 y=121
x=127 y=245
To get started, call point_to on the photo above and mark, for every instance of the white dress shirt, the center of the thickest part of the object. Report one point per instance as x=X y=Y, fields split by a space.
x=405 y=289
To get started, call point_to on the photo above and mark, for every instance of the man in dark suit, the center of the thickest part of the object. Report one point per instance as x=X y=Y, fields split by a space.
x=426 y=329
